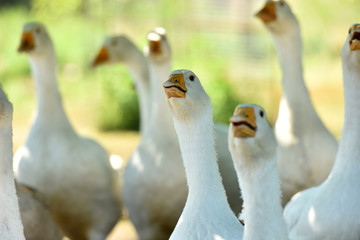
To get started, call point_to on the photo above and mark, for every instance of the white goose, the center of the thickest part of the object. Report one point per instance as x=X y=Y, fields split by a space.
x=307 y=149
x=253 y=147
x=120 y=49
x=206 y=214
x=332 y=210
x=156 y=165
x=73 y=173
x=11 y=227
x=35 y=216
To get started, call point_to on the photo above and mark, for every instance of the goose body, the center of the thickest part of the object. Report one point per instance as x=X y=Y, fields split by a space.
x=155 y=169
x=35 y=216
x=253 y=147
x=206 y=214
x=331 y=210
x=73 y=173
x=11 y=227
x=120 y=49
x=306 y=149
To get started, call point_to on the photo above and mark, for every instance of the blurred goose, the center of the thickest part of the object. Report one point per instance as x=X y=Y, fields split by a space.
x=35 y=216
x=306 y=148
x=120 y=49
x=253 y=146
x=11 y=227
x=331 y=210
x=73 y=173
x=156 y=165
x=206 y=214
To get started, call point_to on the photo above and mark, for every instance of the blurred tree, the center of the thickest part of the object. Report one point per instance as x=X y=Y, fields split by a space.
x=7 y=3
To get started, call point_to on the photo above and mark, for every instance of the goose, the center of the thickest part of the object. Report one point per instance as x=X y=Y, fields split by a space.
x=156 y=165
x=253 y=147
x=120 y=49
x=306 y=148
x=207 y=214
x=11 y=227
x=73 y=173
x=35 y=216
x=331 y=210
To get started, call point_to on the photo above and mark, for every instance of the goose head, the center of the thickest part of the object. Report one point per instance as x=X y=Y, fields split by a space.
x=6 y=110
x=186 y=95
x=350 y=50
x=250 y=133
x=114 y=49
x=278 y=17
x=35 y=41
x=158 y=49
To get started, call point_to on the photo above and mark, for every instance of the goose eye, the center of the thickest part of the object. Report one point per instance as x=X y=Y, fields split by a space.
x=191 y=78
x=281 y=3
x=261 y=113
x=349 y=30
x=38 y=30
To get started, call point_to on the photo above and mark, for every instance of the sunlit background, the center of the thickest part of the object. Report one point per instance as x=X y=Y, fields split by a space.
x=220 y=40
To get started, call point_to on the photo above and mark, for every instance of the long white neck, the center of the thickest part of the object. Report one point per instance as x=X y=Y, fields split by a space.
x=138 y=67
x=10 y=222
x=349 y=150
x=289 y=50
x=295 y=99
x=199 y=157
x=160 y=112
x=50 y=109
x=262 y=211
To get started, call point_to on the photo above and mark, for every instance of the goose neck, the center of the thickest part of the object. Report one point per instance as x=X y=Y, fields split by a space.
x=262 y=209
x=348 y=145
x=199 y=157
x=138 y=68
x=289 y=50
x=49 y=99
x=160 y=112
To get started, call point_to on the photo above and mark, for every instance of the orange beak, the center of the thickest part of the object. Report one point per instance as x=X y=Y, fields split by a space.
x=154 y=43
x=355 y=38
x=268 y=13
x=27 y=42
x=102 y=57
x=175 y=86
x=243 y=122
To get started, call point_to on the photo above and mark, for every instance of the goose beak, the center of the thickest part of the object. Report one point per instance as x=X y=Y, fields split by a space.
x=355 y=38
x=102 y=57
x=27 y=42
x=267 y=13
x=175 y=86
x=244 y=122
x=154 y=43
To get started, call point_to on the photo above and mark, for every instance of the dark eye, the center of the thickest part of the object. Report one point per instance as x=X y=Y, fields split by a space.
x=261 y=113
x=349 y=30
x=191 y=77
x=281 y=3
x=38 y=30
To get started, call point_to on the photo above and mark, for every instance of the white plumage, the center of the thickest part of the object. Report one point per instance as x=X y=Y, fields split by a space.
x=155 y=187
x=331 y=210
x=11 y=227
x=206 y=214
x=253 y=147
x=35 y=216
x=306 y=149
x=120 y=49
x=73 y=173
